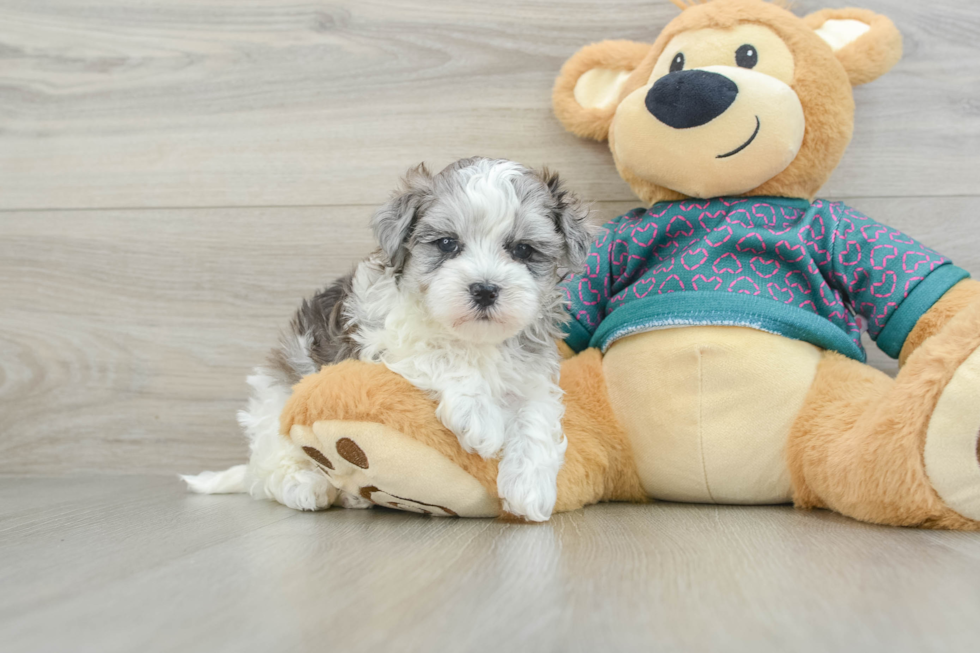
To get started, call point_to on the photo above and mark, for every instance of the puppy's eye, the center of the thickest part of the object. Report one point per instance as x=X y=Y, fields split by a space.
x=448 y=245
x=522 y=251
x=677 y=64
x=747 y=56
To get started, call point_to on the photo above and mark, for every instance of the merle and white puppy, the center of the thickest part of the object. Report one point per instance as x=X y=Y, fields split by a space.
x=461 y=299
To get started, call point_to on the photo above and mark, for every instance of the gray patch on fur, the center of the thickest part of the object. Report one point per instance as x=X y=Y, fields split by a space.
x=318 y=335
x=394 y=222
x=571 y=218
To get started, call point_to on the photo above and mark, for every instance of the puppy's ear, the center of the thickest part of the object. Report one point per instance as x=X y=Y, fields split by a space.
x=571 y=218
x=394 y=222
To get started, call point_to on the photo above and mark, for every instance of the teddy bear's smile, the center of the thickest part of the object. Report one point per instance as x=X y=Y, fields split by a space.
x=758 y=127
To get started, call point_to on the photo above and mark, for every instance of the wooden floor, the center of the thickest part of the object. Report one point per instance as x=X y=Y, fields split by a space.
x=176 y=174
x=134 y=564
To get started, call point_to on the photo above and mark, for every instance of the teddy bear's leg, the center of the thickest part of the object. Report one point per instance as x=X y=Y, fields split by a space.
x=374 y=435
x=377 y=436
x=903 y=451
x=599 y=461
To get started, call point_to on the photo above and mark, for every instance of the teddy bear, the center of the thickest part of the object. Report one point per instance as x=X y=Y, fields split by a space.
x=714 y=345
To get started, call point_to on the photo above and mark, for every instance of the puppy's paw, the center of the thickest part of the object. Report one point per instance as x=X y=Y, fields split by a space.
x=485 y=436
x=304 y=489
x=528 y=490
x=477 y=423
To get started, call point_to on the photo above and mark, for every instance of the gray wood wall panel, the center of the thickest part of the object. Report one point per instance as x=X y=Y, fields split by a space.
x=163 y=104
x=174 y=176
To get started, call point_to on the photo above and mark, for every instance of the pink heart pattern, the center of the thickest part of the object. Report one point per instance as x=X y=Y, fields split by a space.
x=824 y=258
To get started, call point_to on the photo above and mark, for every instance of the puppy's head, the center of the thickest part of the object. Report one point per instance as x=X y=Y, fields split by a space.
x=483 y=244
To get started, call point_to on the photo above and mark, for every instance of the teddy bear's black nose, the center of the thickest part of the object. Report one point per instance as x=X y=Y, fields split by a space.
x=690 y=98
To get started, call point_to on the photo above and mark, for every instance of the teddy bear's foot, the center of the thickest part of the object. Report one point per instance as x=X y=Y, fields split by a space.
x=952 y=446
x=353 y=501
x=897 y=451
x=384 y=467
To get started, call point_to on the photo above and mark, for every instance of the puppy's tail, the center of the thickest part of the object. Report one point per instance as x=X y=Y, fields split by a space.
x=230 y=481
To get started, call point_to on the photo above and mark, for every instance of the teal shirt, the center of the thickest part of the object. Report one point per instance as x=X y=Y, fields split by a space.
x=821 y=272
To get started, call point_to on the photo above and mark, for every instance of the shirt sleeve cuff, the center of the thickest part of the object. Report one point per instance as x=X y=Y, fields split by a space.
x=929 y=291
x=577 y=336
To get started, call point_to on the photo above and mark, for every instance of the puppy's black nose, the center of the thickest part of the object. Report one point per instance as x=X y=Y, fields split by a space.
x=690 y=98
x=484 y=294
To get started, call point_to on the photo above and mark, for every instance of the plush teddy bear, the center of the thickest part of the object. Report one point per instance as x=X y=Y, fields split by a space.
x=719 y=330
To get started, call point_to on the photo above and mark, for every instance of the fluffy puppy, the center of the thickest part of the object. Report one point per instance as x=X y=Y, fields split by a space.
x=462 y=300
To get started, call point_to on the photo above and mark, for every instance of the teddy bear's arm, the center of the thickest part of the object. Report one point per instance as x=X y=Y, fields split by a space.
x=886 y=277
x=955 y=300
x=587 y=292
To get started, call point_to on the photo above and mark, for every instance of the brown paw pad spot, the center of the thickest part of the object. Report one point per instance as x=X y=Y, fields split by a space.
x=411 y=505
x=366 y=492
x=352 y=453
x=319 y=457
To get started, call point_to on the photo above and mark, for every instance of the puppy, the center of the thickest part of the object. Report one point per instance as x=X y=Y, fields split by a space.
x=462 y=300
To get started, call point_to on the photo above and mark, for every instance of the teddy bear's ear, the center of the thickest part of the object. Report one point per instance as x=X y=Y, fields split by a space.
x=866 y=43
x=588 y=88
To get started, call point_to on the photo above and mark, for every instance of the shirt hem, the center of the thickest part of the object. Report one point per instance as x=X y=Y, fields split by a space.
x=723 y=309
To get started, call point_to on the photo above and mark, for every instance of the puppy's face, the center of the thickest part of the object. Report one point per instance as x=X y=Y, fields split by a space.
x=483 y=245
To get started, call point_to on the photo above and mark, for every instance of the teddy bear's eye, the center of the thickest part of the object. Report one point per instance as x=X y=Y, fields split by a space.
x=747 y=56
x=677 y=64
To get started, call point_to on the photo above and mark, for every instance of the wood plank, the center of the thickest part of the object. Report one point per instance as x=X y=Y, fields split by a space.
x=125 y=336
x=165 y=104
x=76 y=535
x=136 y=564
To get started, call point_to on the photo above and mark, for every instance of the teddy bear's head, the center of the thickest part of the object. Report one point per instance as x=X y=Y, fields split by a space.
x=735 y=97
